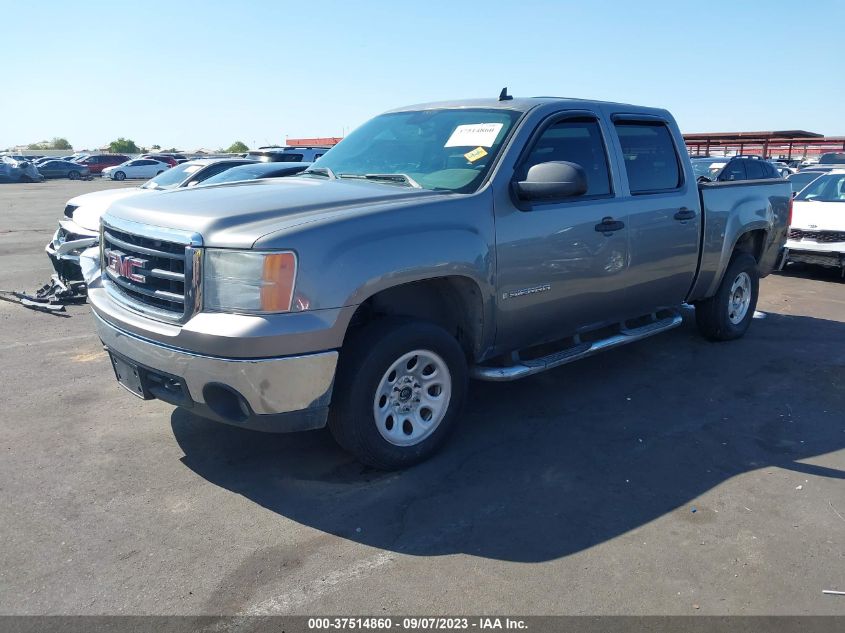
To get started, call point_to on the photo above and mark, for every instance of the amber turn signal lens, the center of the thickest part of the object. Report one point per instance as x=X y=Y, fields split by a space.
x=278 y=276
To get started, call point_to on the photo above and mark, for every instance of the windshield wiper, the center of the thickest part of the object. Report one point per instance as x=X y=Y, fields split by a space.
x=401 y=179
x=321 y=171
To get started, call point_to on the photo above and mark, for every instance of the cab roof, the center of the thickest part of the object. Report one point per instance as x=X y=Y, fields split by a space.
x=524 y=104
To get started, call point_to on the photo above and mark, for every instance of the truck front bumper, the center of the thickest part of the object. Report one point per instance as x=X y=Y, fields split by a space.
x=279 y=395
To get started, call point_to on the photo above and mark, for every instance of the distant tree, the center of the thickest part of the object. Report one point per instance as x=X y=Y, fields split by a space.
x=238 y=147
x=155 y=146
x=56 y=143
x=124 y=146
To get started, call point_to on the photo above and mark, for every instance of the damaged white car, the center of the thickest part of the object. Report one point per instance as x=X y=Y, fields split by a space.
x=80 y=227
x=817 y=231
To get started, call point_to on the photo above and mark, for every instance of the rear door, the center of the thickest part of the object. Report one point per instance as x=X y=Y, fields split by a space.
x=557 y=273
x=661 y=203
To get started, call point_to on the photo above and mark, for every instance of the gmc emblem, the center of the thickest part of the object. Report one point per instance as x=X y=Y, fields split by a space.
x=125 y=266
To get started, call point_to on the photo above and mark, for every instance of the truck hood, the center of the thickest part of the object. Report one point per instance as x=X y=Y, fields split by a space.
x=236 y=215
x=818 y=216
x=91 y=206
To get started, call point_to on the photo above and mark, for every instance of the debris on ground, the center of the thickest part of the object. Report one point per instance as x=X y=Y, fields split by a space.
x=830 y=592
x=51 y=297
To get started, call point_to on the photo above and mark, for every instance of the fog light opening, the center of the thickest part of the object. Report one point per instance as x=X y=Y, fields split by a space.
x=226 y=402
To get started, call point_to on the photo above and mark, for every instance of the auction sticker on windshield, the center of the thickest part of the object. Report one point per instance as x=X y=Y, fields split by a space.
x=475 y=134
x=477 y=154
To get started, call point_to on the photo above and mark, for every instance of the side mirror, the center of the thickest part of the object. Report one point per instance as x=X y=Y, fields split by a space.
x=554 y=180
x=703 y=179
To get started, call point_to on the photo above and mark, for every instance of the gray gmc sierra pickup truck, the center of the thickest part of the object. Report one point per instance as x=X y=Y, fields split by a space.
x=488 y=239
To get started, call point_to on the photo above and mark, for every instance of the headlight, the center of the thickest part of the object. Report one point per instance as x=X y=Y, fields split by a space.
x=248 y=281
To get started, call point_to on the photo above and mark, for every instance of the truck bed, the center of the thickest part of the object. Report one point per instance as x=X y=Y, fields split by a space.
x=730 y=210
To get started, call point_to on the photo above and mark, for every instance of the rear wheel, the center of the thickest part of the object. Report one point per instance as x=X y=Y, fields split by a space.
x=400 y=387
x=727 y=315
x=73 y=174
x=119 y=175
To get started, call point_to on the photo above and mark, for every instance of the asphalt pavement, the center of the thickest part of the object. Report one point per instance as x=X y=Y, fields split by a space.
x=672 y=476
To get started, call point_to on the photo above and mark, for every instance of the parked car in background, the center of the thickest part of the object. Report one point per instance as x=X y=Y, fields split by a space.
x=63 y=169
x=492 y=239
x=98 y=162
x=162 y=158
x=138 y=168
x=782 y=169
x=12 y=170
x=254 y=171
x=820 y=169
x=832 y=158
x=817 y=232
x=727 y=169
x=287 y=154
x=801 y=179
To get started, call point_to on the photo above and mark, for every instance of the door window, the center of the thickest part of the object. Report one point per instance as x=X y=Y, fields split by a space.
x=734 y=170
x=755 y=170
x=576 y=141
x=651 y=160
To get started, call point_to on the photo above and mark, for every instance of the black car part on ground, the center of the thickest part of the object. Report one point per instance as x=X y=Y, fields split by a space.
x=51 y=297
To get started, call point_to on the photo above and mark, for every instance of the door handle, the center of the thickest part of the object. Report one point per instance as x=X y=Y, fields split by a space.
x=684 y=214
x=609 y=225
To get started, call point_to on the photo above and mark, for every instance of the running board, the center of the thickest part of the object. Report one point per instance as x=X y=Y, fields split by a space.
x=534 y=366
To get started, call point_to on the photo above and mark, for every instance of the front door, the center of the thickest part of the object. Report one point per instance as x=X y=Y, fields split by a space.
x=561 y=265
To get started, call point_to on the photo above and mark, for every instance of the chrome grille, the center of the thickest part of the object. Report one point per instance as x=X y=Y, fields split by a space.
x=151 y=270
x=822 y=237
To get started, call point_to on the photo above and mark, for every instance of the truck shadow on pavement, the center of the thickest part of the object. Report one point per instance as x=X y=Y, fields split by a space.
x=563 y=461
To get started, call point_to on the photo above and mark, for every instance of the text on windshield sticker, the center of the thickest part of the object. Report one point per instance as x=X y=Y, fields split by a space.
x=476 y=134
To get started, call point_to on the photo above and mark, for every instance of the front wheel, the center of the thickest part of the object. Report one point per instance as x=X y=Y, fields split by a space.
x=727 y=314
x=119 y=175
x=400 y=387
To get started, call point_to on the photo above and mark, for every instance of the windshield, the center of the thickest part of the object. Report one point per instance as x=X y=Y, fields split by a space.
x=709 y=168
x=448 y=150
x=171 y=178
x=826 y=188
x=801 y=180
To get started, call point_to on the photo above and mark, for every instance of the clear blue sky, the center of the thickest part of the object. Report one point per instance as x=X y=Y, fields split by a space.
x=208 y=73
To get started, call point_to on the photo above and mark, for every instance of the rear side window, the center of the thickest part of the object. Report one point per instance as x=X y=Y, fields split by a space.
x=576 y=141
x=755 y=170
x=651 y=161
x=289 y=158
x=734 y=170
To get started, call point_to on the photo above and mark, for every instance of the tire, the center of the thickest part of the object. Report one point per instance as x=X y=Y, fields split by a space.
x=73 y=174
x=159 y=172
x=424 y=409
x=119 y=175
x=727 y=315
